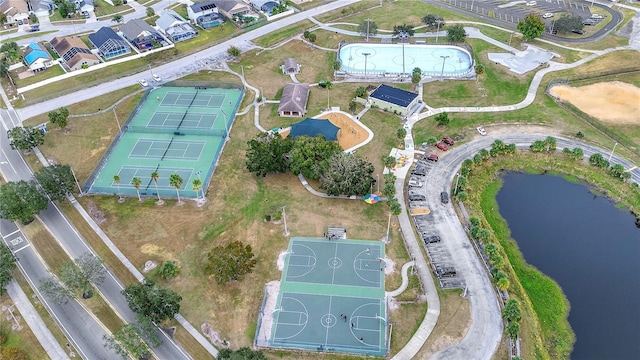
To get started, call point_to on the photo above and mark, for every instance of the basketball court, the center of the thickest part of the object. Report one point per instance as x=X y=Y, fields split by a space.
x=173 y=130
x=331 y=298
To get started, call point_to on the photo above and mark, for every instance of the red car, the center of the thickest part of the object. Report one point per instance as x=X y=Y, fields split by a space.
x=432 y=157
x=442 y=146
x=448 y=141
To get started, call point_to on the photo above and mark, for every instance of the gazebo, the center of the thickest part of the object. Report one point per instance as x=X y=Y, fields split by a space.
x=313 y=127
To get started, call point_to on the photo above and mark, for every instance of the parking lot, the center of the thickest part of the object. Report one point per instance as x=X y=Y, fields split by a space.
x=439 y=257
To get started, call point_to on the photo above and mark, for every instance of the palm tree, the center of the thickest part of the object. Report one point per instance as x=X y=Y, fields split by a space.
x=155 y=177
x=176 y=181
x=136 y=184
x=197 y=186
x=116 y=179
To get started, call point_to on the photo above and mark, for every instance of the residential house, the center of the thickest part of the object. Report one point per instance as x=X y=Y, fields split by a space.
x=141 y=34
x=109 y=43
x=393 y=99
x=84 y=5
x=265 y=6
x=16 y=11
x=175 y=27
x=294 y=100
x=290 y=66
x=232 y=8
x=205 y=14
x=73 y=52
x=41 y=8
x=37 y=57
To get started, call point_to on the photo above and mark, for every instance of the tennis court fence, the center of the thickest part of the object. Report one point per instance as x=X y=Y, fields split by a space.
x=204 y=84
x=176 y=131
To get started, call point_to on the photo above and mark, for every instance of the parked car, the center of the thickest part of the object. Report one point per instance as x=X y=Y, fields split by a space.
x=34 y=28
x=448 y=141
x=442 y=146
x=143 y=82
x=445 y=271
x=415 y=182
x=597 y=16
x=444 y=197
x=589 y=22
x=156 y=78
x=417 y=197
x=481 y=130
x=86 y=14
x=531 y=3
x=578 y=31
x=420 y=171
x=432 y=157
x=430 y=239
x=547 y=15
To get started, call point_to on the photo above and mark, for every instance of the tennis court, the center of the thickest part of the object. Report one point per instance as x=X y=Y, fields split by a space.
x=331 y=298
x=173 y=130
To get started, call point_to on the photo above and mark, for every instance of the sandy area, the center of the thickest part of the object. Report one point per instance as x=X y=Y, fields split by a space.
x=612 y=102
x=350 y=134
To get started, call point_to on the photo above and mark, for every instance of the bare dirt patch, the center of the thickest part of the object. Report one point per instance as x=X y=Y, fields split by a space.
x=613 y=102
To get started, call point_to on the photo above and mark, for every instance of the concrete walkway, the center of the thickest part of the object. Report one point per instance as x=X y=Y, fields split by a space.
x=405 y=280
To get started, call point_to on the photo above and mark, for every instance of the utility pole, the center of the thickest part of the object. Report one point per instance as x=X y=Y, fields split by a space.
x=444 y=58
x=368 y=22
x=117 y=121
x=612 y=150
x=76 y=179
x=284 y=217
x=365 y=63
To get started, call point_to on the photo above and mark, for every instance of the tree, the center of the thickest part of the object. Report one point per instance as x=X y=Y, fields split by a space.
x=433 y=21
x=75 y=278
x=129 y=341
x=176 y=181
x=531 y=27
x=168 y=270
x=479 y=69
x=568 y=22
x=550 y=143
x=401 y=133
x=394 y=206
x=462 y=196
x=512 y=311
x=513 y=329
x=234 y=51
x=197 y=186
x=538 y=146
x=368 y=28
x=352 y=106
x=361 y=92
x=618 y=171
x=312 y=37
x=310 y=156
x=442 y=119
x=242 y=354
x=503 y=284
x=3 y=18
x=403 y=30
x=116 y=179
x=21 y=200
x=117 y=2
x=152 y=301
x=56 y=181
x=59 y=117
x=416 y=75
x=25 y=138
x=11 y=51
x=155 y=176
x=456 y=34
x=7 y=265
x=268 y=153
x=388 y=161
x=231 y=262
x=136 y=182
x=598 y=160
x=347 y=175
x=117 y=18
x=150 y=12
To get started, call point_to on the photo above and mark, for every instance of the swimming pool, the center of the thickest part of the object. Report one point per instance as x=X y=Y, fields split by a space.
x=387 y=59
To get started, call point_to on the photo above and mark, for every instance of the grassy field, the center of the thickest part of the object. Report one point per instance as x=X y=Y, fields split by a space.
x=23 y=339
x=283 y=34
x=40 y=76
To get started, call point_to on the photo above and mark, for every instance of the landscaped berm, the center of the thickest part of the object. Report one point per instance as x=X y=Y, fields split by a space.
x=331 y=298
x=351 y=133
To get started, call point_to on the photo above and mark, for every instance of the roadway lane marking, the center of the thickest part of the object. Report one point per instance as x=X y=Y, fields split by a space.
x=13 y=233
x=22 y=248
x=632 y=168
x=8 y=162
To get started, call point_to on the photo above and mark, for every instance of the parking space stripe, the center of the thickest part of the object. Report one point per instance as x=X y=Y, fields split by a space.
x=22 y=248
x=13 y=233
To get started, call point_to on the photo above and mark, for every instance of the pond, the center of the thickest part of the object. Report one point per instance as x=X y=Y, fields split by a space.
x=590 y=248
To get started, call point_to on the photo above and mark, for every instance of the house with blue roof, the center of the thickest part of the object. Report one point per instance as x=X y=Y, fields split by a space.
x=109 y=43
x=205 y=14
x=175 y=27
x=265 y=6
x=393 y=99
x=36 y=57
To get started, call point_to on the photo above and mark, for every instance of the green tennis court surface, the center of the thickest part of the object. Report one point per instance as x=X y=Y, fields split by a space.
x=173 y=130
x=331 y=298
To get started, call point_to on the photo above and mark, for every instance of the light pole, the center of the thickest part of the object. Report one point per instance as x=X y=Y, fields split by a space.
x=226 y=128
x=117 y=121
x=438 y=22
x=455 y=190
x=388 y=226
x=284 y=217
x=378 y=182
x=150 y=71
x=76 y=179
x=510 y=36
x=403 y=36
x=368 y=22
x=366 y=55
x=444 y=58
x=202 y=185
x=611 y=154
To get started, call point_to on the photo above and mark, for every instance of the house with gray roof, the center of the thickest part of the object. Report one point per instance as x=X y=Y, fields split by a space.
x=205 y=14
x=265 y=6
x=175 y=27
x=290 y=66
x=109 y=43
x=16 y=11
x=141 y=34
x=232 y=8
x=36 y=57
x=41 y=7
x=293 y=102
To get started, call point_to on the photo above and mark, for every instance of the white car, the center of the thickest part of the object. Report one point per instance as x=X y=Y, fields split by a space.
x=156 y=78
x=531 y=3
x=597 y=16
x=143 y=82
x=547 y=15
x=481 y=130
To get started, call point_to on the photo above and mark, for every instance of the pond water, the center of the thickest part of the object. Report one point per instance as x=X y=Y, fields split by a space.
x=590 y=248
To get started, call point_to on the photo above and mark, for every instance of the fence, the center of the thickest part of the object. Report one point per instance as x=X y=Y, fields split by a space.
x=204 y=84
